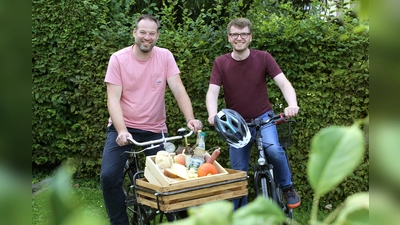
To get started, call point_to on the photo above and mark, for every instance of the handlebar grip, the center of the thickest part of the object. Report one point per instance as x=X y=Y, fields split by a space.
x=282 y=115
x=281 y=118
x=278 y=116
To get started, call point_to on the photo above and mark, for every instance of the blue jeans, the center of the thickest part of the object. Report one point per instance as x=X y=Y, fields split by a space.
x=111 y=174
x=240 y=157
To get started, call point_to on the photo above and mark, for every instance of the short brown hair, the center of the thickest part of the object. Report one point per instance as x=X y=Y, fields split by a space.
x=150 y=17
x=240 y=23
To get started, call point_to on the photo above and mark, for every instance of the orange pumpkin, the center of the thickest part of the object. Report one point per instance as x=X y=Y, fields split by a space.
x=206 y=169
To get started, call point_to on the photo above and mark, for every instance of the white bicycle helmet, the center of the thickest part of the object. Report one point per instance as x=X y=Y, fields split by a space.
x=232 y=128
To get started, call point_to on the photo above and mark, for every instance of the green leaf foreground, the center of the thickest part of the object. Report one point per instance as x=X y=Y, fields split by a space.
x=260 y=211
x=64 y=204
x=355 y=211
x=335 y=153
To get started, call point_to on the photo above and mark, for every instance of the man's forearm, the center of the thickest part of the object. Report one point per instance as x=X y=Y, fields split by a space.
x=289 y=95
x=117 y=117
x=212 y=104
x=185 y=105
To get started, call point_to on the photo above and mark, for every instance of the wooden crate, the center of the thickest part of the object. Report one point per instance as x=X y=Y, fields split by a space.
x=193 y=192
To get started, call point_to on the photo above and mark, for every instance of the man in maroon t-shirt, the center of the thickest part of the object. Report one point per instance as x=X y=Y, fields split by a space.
x=242 y=73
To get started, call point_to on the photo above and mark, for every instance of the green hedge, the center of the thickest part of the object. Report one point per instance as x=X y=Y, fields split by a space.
x=326 y=61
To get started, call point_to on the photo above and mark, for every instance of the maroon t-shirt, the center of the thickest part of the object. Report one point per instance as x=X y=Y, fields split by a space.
x=244 y=82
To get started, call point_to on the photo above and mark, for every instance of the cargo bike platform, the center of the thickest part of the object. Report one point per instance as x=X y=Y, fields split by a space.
x=181 y=195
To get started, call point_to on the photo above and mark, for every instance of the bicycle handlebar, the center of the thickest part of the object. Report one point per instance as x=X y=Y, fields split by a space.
x=161 y=140
x=278 y=119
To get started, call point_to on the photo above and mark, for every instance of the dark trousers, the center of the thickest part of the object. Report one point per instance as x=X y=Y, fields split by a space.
x=111 y=175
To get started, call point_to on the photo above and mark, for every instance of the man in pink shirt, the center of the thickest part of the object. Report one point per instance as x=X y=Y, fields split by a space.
x=136 y=80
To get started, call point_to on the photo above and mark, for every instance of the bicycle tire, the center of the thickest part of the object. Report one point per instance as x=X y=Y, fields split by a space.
x=140 y=214
x=137 y=214
x=265 y=186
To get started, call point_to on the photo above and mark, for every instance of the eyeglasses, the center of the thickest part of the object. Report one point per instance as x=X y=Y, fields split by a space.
x=236 y=35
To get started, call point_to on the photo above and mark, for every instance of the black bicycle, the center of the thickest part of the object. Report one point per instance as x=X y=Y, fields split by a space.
x=140 y=214
x=265 y=183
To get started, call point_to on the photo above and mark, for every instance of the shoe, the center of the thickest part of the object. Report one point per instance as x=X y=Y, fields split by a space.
x=292 y=199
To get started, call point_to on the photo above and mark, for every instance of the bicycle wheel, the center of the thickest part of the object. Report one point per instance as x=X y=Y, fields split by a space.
x=127 y=184
x=140 y=214
x=137 y=214
x=265 y=186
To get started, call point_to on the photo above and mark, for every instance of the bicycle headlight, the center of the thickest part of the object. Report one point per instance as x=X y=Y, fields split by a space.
x=261 y=162
x=169 y=147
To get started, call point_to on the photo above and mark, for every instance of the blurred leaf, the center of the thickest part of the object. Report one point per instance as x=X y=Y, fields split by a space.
x=60 y=196
x=62 y=202
x=13 y=197
x=219 y=212
x=355 y=211
x=387 y=152
x=385 y=206
x=260 y=211
x=335 y=153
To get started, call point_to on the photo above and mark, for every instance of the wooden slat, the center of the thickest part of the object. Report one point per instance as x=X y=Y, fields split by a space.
x=232 y=174
x=197 y=193
x=189 y=203
x=193 y=192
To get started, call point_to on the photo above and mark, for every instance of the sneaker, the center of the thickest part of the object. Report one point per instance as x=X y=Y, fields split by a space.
x=292 y=199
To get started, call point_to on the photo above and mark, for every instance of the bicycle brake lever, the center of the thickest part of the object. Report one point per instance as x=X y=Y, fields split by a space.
x=280 y=120
x=182 y=131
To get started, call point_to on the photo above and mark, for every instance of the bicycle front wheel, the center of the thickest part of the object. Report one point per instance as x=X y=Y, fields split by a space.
x=140 y=214
x=265 y=186
x=137 y=214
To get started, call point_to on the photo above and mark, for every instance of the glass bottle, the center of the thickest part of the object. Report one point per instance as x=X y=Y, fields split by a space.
x=188 y=152
x=198 y=152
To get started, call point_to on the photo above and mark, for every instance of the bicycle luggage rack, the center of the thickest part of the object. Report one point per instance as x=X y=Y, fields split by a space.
x=180 y=196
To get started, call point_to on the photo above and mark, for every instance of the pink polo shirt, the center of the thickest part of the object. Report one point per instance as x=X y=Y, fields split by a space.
x=143 y=86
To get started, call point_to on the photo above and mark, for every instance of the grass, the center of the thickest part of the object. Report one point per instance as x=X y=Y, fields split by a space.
x=91 y=204
x=88 y=199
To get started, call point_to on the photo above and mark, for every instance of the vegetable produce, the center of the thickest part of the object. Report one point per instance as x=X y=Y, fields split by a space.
x=206 y=169
x=179 y=170
x=181 y=159
x=163 y=159
x=169 y=173
x=214 y=156
x=207 y=157
x=192 y=174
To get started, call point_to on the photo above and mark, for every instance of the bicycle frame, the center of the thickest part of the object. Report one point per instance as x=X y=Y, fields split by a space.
x=264 y=180
x=263 y=173
x=142 y=214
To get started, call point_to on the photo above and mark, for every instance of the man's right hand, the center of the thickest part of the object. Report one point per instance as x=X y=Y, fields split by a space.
x=211 y=120
x=122 y=138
